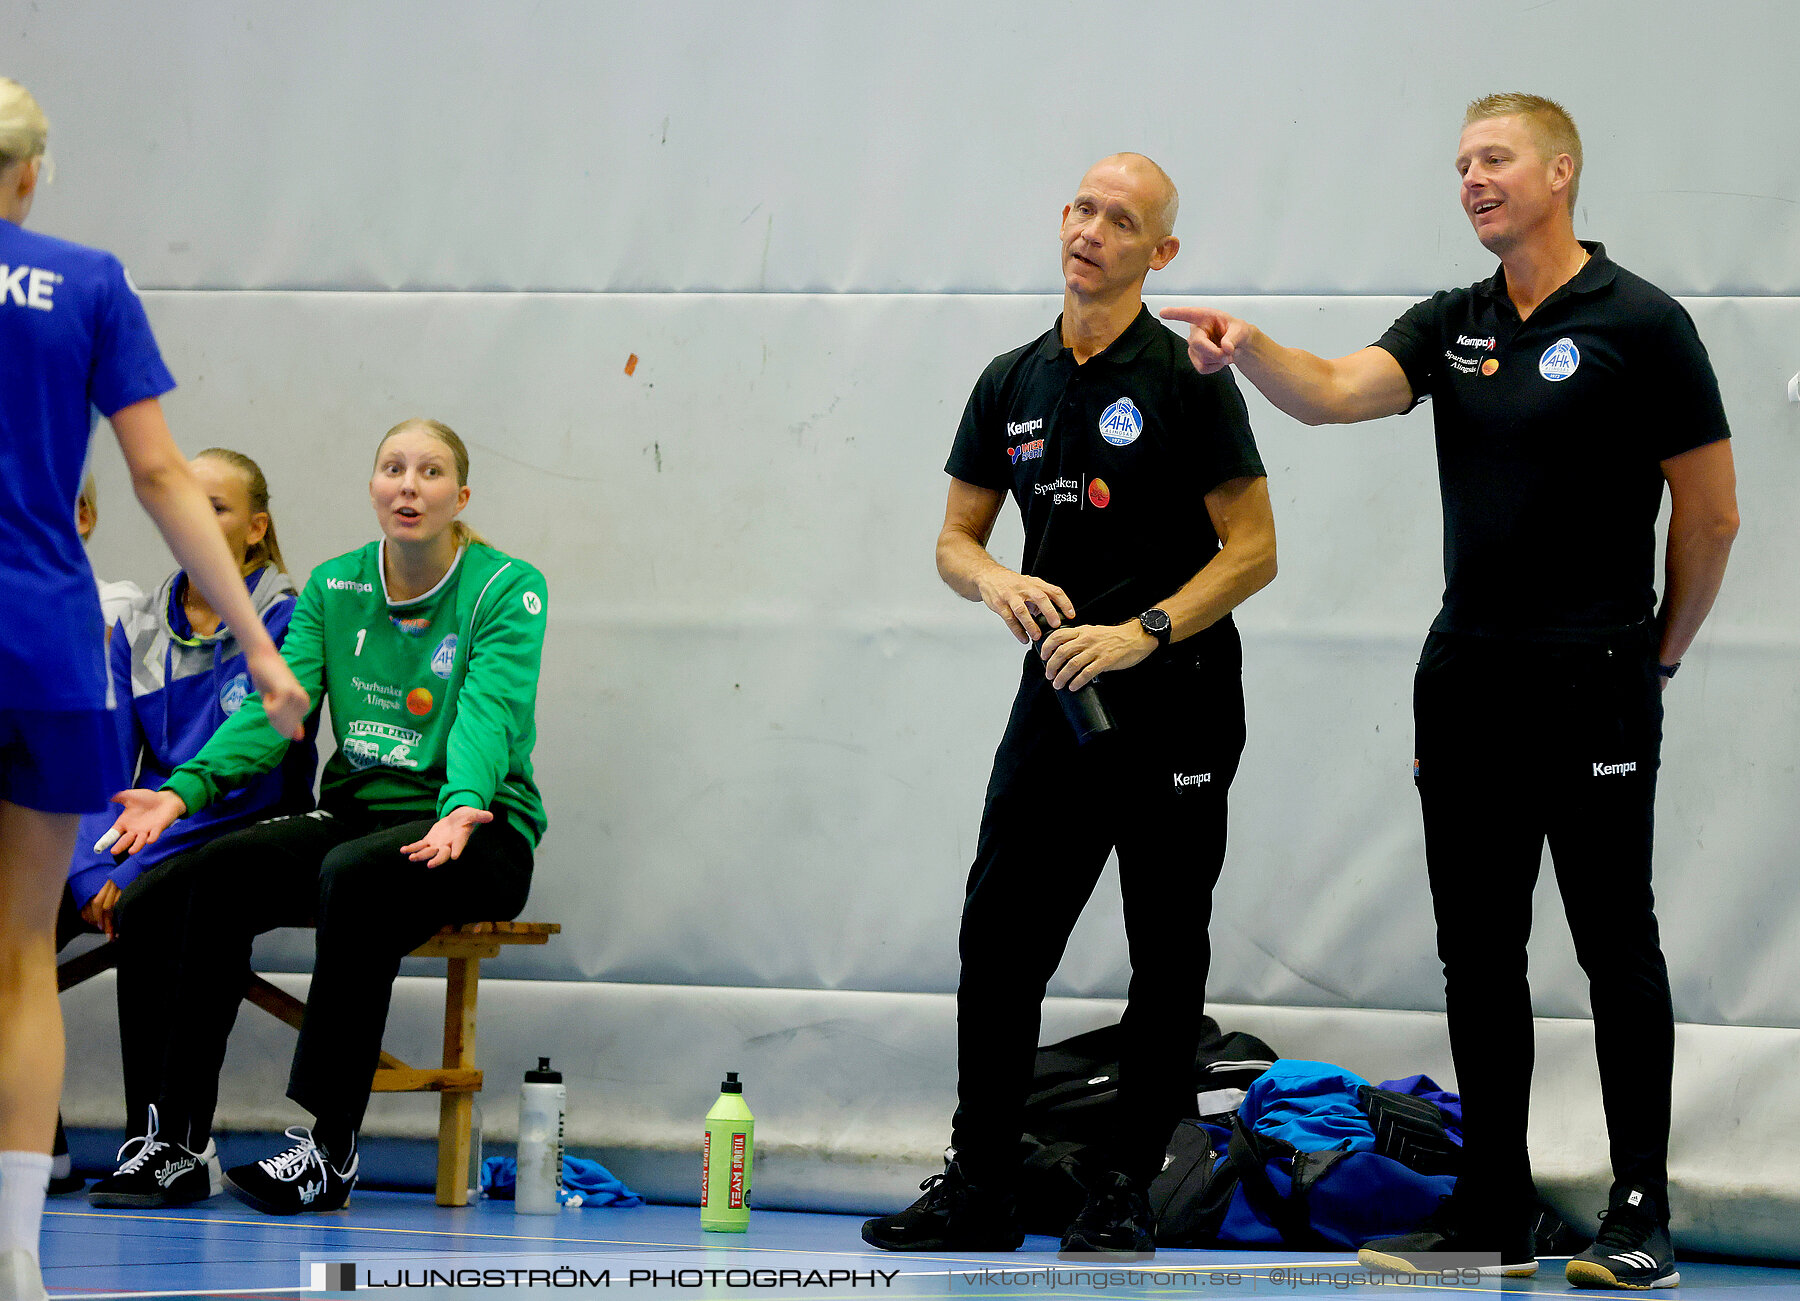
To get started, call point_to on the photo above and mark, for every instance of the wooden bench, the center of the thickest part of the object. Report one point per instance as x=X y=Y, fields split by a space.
x=457 y=1080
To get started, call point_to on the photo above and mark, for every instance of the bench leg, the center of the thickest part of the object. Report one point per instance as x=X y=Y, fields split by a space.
x=456 y=1110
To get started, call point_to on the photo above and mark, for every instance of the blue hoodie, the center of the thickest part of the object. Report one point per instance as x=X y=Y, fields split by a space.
x=173 y=689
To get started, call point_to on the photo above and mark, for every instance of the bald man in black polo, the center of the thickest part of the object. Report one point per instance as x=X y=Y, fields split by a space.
x=1147 y=521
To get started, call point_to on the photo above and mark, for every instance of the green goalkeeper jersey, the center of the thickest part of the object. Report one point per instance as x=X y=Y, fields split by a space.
x=433 y=700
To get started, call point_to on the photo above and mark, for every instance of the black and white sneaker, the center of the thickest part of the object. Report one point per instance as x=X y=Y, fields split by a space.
x=159 y=1174
x=293 y=1182
x=1633 y=1249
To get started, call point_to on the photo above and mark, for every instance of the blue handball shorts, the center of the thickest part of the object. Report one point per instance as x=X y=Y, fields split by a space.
x=59 y=760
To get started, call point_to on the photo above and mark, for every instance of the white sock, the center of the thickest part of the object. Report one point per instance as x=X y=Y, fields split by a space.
x=23 y=1178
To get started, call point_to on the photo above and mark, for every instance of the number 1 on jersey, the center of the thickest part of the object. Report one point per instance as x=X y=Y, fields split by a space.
x=360 y=634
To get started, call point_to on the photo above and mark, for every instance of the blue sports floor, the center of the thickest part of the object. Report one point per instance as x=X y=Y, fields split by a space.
x=405 y=1244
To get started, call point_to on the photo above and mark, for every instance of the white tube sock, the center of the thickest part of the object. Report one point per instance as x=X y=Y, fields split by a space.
x=23 y=1178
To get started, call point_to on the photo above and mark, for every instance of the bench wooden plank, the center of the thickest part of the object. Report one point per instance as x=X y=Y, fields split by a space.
x=85 y=966
x=410 y=1079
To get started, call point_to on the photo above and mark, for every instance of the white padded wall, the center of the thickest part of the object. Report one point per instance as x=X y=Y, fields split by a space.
x=765 y=725
x=808 y=145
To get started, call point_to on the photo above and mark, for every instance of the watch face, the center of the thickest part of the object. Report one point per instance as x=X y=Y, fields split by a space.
x=1156 y=623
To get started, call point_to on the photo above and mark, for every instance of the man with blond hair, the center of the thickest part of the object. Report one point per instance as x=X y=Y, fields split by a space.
x=1104 y=436
x=1567 y=392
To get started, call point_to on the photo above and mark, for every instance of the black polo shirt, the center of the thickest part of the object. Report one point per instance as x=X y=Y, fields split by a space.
x=1109 y=461
x=1549 y=437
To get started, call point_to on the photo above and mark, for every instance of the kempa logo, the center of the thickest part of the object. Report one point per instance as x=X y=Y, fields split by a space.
x=28 y=287
x=347 y=585
x=1470 y=341
x=1613 y=769
x=1019 y=428
x=1193 y=779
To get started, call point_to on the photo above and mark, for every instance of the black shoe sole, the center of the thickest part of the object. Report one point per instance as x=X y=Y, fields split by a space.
x=143 y=1201
x=1077 y=1248
x=936 y=1244
x=250 y=1199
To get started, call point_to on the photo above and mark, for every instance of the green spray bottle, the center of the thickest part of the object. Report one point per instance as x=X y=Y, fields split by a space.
x=725 y=1162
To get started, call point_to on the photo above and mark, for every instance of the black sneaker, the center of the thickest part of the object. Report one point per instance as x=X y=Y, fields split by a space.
x=1447 y=1242
x=159 y=1174
x=953 y=1215
x=295 y=1181
x=1115 y=1223
x=1632 y=1251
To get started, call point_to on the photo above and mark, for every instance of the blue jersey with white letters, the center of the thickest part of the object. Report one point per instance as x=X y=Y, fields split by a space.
x=73 y=337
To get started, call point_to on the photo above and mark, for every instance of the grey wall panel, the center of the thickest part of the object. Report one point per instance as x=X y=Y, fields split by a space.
x=817 y=146
x=765 y=726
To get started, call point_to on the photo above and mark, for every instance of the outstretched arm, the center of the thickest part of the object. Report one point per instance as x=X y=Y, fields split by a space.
x=1362 y=386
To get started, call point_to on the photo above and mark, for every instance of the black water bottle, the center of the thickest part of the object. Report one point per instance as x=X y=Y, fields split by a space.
x=1084 y=709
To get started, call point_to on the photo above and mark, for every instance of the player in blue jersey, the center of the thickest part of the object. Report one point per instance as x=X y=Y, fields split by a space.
x=73 y=337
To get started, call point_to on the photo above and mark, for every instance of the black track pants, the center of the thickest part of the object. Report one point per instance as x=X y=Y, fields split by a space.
x=1156 y=791
x=187 y=937
x=1518 y=745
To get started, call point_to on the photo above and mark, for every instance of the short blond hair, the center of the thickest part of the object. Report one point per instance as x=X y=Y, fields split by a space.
x=1551 y=127
x=24 y=131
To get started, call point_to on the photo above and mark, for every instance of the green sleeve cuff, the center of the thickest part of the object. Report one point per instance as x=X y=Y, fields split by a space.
x=190 y=789
x=450 y=801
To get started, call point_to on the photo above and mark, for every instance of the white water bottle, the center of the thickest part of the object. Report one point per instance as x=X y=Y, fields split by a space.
x=541 y=1100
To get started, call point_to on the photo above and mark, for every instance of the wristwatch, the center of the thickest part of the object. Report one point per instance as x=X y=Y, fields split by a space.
x=1668 y=670
x=1156 y=623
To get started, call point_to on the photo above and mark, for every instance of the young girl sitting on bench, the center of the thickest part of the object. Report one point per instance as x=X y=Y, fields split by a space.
x=177 y=674
x=426 y=643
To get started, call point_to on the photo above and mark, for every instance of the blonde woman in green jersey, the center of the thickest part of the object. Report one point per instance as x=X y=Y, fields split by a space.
x=426 y=644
